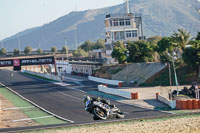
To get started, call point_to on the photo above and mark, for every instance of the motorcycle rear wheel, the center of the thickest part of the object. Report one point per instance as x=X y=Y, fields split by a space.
x=99 y=113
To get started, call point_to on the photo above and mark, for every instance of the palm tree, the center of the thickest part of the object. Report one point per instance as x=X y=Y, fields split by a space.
x=181 y=38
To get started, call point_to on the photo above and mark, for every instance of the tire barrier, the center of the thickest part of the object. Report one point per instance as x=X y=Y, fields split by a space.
x=157 y=94
x=120 y=84
x=134 y=96
x=188 y=104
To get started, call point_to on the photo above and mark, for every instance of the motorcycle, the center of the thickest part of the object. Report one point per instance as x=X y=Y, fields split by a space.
x=101 y=109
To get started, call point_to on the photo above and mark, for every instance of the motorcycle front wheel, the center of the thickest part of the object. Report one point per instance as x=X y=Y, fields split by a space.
x=120 y=115
x=99 y=113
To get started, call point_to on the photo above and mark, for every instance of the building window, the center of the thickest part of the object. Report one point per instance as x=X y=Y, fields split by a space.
x=128 y=34
x=128 y=21
x=115 y=22
x=132 y=33
x=121 y=22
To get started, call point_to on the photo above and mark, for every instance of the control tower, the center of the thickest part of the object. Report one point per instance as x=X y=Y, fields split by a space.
x=122 y=27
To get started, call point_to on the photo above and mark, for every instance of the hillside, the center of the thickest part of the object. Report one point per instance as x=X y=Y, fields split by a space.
x=160 y=17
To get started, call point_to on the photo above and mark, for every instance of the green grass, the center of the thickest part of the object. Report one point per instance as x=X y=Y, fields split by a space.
x=43 y=78
x=30 y=112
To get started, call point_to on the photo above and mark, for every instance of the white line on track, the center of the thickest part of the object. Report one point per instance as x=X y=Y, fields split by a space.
x=69 y=95
x=18 y=108
x=37 y=105
x=61 y=84
x=73 y=79
x=27 y=119
x=64 y=84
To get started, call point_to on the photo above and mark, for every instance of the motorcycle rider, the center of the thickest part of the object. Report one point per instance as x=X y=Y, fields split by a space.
x=92 y=99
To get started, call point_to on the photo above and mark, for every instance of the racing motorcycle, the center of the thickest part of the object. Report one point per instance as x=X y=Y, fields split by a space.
x=101 y=108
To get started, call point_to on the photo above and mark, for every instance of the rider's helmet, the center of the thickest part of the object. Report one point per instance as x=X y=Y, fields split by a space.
x=98 y=99
x=86 y=98
x=108 y=102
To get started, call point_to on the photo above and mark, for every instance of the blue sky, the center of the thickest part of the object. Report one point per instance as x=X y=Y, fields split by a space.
x=18 y=15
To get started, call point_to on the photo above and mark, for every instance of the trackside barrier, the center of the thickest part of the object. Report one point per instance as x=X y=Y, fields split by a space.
x=170 y=103
x=48 y=76
x=117 y=92
x=188 y=104
x=106 y=81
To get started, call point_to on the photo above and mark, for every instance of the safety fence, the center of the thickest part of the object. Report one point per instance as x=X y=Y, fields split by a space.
x=118 y=92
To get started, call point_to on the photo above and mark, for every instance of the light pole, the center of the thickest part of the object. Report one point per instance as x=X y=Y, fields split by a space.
x=127 y=55
x=75 y=37
x=66 y=48
x=127 y=75
x=1 y=44
x=19 y=43
x=173 y=57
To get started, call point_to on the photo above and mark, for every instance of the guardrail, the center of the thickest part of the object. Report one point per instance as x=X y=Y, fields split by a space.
x=106 y=81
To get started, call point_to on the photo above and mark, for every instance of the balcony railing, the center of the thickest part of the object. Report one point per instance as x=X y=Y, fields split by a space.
x=124 y=14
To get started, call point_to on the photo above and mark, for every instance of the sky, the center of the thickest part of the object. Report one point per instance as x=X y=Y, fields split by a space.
x=19 y=15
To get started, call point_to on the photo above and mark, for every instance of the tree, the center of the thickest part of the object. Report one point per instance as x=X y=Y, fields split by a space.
x=53 y=49
x=87 y=46
x=191 y=55
x=181 y=39
x=99 y=44
x=119 y=52
x=79 y=53
x=198 y=36
x=154 y=39
x=39 y=51
x=165 y=46
x=140 y=51
x=27 y=50
x=64 y=50
x=3 y=52
x=16 y=52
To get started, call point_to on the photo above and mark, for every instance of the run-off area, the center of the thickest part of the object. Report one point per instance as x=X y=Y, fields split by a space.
x=16 y=112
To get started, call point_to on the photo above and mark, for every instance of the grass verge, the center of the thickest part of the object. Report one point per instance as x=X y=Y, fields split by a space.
x=30 y=112
x=43 y=78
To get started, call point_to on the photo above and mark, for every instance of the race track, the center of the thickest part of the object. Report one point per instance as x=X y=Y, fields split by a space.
x=65 y=101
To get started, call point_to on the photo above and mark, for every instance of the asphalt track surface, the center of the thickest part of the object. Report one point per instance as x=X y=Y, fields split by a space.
x=65 y=101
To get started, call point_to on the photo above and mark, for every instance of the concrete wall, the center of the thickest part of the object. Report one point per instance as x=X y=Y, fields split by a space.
x=171 y=103
x=105 y=81
x=139 y=72
x=117 y=92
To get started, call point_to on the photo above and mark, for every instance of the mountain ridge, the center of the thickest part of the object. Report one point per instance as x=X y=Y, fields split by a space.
x=159 y=18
